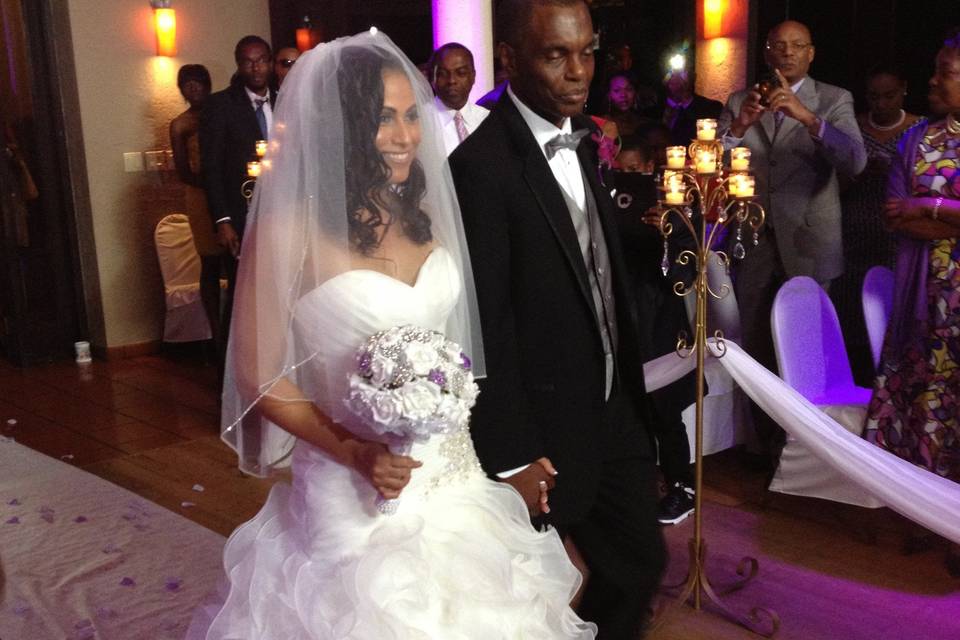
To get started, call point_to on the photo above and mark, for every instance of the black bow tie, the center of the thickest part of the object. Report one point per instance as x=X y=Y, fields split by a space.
x=565 y=141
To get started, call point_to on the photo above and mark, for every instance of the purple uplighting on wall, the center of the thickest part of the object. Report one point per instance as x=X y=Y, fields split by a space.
x=470 y=23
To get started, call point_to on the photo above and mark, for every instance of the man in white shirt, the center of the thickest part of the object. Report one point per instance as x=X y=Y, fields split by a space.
x=453 y=75
x=801 y=136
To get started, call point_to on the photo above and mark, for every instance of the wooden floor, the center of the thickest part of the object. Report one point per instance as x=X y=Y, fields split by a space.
x=830 y=571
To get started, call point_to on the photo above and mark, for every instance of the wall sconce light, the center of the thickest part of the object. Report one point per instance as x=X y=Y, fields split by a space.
x=713 y=14
x=165 y=25
x=308 y=36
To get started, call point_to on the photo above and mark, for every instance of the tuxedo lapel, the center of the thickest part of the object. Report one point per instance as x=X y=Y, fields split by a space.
x=245 y=113
x=543 y=185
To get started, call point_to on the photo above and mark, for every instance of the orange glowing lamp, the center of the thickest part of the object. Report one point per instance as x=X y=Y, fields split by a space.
x=165 y=25
x=713 y=13
x=308 y=36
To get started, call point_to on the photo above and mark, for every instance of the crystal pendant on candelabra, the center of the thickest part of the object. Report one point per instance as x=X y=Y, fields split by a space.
x=665 y=262
x=739 y=253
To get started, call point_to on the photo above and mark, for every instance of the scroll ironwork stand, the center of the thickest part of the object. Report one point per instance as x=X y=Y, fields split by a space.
x=722 y=202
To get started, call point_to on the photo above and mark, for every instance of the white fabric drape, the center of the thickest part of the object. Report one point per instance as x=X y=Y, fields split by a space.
x=926 y=498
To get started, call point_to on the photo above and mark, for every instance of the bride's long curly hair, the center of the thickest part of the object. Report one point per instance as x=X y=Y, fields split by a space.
x=360 y=76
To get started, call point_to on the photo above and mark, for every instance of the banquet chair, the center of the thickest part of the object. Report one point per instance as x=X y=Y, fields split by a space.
x=185 y=319
x=813 y=360
x=877 y=305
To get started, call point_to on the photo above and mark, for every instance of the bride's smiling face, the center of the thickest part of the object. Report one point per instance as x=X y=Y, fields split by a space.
x=399 y=134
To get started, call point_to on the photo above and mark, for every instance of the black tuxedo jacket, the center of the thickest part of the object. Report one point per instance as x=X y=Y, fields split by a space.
x=228 y=137
x=544 y=390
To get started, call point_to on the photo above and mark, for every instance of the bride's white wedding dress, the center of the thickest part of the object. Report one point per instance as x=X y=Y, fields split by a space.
x=458 y=560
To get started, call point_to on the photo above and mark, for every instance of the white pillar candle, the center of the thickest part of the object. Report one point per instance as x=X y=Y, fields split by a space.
x=706 y=129
x=740 y=159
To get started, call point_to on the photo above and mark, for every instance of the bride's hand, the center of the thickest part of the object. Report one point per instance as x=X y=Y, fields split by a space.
x=388 y=473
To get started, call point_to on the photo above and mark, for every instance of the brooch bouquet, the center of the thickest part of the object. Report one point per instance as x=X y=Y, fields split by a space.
x=409 y=384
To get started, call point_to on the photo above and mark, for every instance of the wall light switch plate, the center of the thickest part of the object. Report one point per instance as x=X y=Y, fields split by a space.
x=133 y=161
x=155 y=160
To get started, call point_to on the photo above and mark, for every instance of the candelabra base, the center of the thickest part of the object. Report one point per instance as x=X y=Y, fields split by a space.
x=762 y=621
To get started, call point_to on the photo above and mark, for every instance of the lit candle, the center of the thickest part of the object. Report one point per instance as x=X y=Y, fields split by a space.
x=747 y=184
x=740 y=159
x=253 y=169
x=674 y=189
x=706 y=161
x=261 y=148
x=676 y=157
x=735 y=184
x=707 y=129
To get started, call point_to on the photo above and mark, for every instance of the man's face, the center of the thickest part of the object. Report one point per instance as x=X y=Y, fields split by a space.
x=454 y=78
x=552 y=68
x=678 y=85
x=283 y=62
x=790 y=49
x=254 y=67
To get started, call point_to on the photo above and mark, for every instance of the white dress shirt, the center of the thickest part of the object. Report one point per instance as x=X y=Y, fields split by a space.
x=473 y=115
x=564 y=164
x=267 y=109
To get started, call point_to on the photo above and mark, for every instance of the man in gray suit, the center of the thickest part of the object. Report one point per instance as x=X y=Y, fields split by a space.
x=801 y=136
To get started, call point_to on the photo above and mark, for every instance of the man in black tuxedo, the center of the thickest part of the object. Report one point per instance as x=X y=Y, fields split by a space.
x=564 y=389
x=232 y=122
x=682 y=107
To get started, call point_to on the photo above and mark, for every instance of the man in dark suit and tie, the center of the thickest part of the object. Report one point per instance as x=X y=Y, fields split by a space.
x=563 y=413
x=232 y=122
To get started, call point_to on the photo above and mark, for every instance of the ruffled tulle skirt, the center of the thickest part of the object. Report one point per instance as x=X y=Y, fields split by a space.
x=459 y=560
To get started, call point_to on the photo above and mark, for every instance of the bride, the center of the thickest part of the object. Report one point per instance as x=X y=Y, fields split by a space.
x=355 y=229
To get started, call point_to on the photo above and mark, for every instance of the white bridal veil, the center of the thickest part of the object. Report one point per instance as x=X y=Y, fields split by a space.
x=298 y=234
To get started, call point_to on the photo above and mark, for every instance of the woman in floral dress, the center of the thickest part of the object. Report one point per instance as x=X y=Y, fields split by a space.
x=914 y=411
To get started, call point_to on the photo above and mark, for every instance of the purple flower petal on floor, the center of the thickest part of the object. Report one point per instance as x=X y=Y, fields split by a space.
x=83 y=624
x=173 y=583
x=13 y=520
x=127 y=582
x=14 y=503
x=198 y=488
x=21 y=610
x=67 y=456
x=129 y=516
x=111 y=548
x=46 y=509
x=141 y=527
x=106 y=613
x=47 y=517
x=187 y=505
x=80 y=519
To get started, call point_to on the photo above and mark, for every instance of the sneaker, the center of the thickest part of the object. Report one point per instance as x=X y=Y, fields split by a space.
x=676 y=505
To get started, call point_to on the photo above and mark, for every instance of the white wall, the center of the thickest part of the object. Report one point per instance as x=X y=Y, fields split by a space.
x=127 y=98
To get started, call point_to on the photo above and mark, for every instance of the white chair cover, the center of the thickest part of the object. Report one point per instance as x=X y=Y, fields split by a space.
x=877 y=305
x=185 y=319
x=813 y=360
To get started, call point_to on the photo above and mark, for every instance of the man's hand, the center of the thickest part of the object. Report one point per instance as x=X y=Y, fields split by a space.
x=533 y=485
x=388 y=473
x=783 y=99
x=750 y=112
x=228 y=238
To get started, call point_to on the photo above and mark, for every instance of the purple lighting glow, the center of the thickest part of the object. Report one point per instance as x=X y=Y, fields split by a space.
x=470 y=23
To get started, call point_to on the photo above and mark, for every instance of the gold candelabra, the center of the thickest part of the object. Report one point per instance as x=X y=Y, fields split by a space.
x=254 y=168
x=707 y=198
